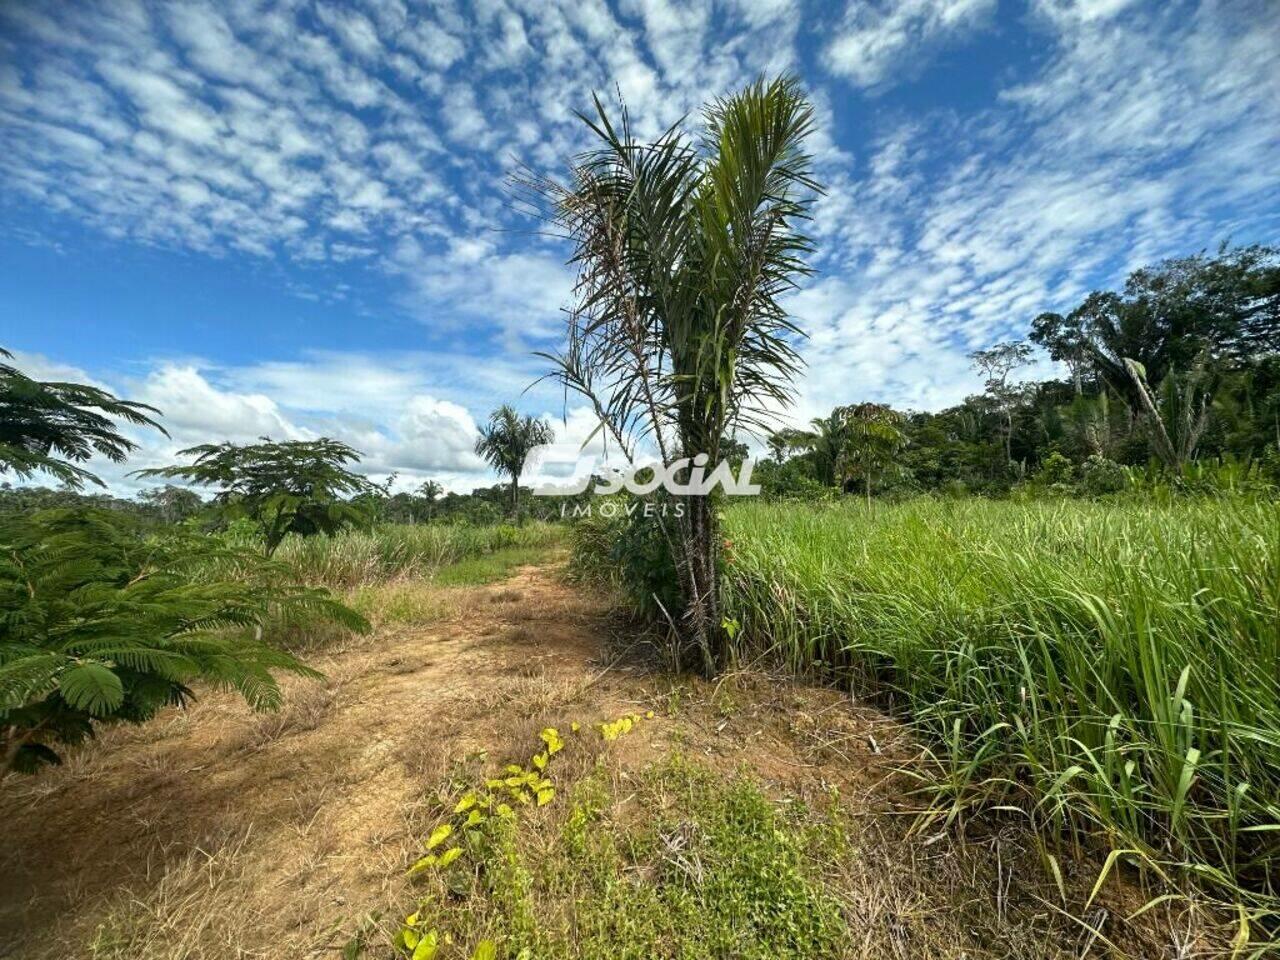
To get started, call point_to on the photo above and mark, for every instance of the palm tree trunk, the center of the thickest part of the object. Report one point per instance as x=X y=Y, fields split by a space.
x=702 y=647
x=515 y=496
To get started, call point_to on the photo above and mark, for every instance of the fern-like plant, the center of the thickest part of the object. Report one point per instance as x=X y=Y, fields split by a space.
x=52 y=427
x=100 y=624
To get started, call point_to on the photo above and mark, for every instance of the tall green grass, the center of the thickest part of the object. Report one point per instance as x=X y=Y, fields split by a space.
x=1111 y=670
x=356 y=557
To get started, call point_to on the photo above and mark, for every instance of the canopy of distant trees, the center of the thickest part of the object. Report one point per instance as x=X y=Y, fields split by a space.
x=1182 y=364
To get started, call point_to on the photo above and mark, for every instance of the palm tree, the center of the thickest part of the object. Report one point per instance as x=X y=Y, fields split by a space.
x=505 y=442
x=684 y=251
x=430 y=490
x=826 y=441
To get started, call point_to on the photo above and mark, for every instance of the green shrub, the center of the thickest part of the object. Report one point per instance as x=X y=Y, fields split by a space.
x=99 y=624
x=792 y=480
x=620 y=544
x=1100 y=476
x=1056 y=469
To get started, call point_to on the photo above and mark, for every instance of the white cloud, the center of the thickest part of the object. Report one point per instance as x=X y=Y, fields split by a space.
x=878 y=40
x=435 y=435
x=194 y=408
x=381 y=134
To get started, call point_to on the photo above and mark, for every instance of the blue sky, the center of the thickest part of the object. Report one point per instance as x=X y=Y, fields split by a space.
x=289 y=218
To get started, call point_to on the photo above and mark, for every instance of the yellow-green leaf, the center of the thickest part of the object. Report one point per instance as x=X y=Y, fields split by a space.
x=540 y=761
x=551 y=737
x=424 y=864
x=427 y=947
x=474 y=819
x=466 y=803
x=485 y=950
x=439 y=835
x=546 y=795
x=450 y=855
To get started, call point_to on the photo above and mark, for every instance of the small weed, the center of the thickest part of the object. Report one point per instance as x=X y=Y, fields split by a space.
x=711 y=869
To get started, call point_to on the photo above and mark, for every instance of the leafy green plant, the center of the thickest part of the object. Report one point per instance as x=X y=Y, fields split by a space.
x=483 y=821
x=295 y=486
x=713 y=868
x=99 y=624
x=1100 y=476
x=1056 y=470
x=623 y=547
x=50 y=427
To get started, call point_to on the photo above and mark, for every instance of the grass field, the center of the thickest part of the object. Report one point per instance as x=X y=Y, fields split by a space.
x=398 y=551
x=1108 y=670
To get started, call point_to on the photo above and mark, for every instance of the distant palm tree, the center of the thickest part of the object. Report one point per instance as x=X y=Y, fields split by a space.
x=430 y=490
x=826 y=441
x=505 y=442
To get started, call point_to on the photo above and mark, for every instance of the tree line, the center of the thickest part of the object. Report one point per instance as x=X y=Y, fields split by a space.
x=1177 y=370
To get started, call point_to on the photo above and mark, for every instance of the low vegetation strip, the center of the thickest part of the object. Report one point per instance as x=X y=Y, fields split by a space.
x=1109 y=669
x=356 y=557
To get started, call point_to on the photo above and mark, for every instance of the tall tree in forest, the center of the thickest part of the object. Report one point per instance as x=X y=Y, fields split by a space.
x=873 y=437
x=997 y=364
x=1211 y=311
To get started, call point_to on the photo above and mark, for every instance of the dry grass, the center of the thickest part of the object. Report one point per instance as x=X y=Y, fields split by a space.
x=216 y=833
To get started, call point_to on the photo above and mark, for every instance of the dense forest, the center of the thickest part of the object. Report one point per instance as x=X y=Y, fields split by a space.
x=1176 y=377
